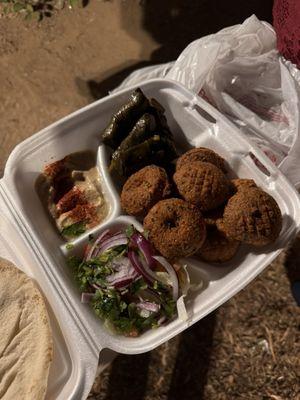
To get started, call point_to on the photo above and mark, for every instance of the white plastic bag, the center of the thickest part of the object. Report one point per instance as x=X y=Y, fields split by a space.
x=240 y=72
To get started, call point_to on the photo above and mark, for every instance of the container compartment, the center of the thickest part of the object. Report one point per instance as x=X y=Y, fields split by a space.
x=12 y=249
x=193 y=123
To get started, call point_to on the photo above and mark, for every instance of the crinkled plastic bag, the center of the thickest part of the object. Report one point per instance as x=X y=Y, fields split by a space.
x=239 y=71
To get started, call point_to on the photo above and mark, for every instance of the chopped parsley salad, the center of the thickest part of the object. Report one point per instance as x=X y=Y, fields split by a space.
x=127 y=285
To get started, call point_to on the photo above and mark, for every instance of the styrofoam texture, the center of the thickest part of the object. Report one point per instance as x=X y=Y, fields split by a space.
x=194 y=123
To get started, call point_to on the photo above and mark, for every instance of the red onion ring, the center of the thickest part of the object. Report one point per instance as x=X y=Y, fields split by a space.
x=116 y=240
x=99 y=239
x=124 y=273
x=147 y=305
x=139 y=267
x=112 y=243
x=123 y=283
x=172 y=273
x=144 y=247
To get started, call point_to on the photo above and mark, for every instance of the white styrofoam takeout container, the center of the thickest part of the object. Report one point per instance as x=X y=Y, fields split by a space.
x=30 y=241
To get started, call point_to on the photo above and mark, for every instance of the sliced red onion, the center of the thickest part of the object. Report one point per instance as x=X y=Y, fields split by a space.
x=121 y=263
x=139 y=267
x=97 y=242
x=147 y=305
x=172 y=273
x=122 y=284
x=115 y=236
x=124 y=275
x=86 y=297
x=149 y=294
x=145 y=248
x=114 y=241
x=148 y=271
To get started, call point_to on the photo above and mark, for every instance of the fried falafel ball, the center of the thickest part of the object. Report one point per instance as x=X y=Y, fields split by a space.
x=212 y=217
x=252 y=216
x=202 y=184
x=201 y=154
x=143 y=189
x=176 y=228
x=217 y=248
x=243 y=184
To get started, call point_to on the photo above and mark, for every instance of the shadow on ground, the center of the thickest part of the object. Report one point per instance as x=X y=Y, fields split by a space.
x=130 y=373
x=292 y=263
x=174 y=24
x=189 y=373
x=192 y=362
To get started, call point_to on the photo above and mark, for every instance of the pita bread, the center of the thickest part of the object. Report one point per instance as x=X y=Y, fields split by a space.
x=25 y=337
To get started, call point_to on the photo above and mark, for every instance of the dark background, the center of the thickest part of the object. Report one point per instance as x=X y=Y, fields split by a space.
x=174 y=24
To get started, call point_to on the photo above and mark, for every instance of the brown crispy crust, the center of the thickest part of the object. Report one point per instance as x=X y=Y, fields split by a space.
x=202 y=184
x=243 y=184
x=143 y=189
x=217 y=247
x=201 y=154
x=176 y=228
x=212 y=217
x=253 y=217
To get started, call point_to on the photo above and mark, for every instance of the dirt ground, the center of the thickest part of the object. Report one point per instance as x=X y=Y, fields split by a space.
x=248 y=349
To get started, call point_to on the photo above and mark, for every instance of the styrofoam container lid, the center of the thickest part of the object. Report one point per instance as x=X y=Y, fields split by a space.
x=79 y=335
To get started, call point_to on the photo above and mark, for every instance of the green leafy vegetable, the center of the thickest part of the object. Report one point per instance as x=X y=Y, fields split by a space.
x=138 y=285
x=169 y=306
x=146 y=234
x=74 y=262
x=122 y=309
x=129 y=231
x=74 y=230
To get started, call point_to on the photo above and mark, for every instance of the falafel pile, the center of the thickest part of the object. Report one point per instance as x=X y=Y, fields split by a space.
x=196 y=210
x=199 y=211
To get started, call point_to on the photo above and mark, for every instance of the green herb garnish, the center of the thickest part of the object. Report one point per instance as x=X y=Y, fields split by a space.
x=74 y=262
x=119 y=307
x=138 y=285
x=146 y=234
x=169 y=307
x=74 y=230
x=129 y=231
